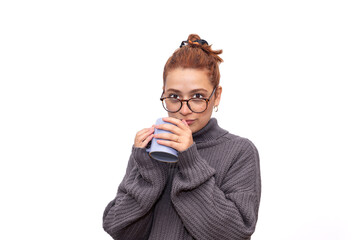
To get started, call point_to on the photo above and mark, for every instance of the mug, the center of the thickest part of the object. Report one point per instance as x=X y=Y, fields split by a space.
x=160 y=152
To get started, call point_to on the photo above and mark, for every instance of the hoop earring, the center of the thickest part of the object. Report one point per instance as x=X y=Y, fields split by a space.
x=216 y=108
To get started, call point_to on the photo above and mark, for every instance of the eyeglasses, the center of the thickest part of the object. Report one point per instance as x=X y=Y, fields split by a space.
x=196 y=105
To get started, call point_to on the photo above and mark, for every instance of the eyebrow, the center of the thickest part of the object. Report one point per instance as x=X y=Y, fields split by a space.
x=192 y=91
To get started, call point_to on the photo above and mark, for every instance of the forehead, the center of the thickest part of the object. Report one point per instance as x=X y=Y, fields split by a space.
x=186 y=79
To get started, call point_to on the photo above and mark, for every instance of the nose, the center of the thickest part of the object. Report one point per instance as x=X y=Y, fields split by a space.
x=185 y=110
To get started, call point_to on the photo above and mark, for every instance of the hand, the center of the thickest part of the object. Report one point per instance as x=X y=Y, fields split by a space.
x=180 y=137
x=143 y=137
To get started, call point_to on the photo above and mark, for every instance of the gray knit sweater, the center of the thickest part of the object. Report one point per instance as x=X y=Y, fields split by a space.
x=211 y=193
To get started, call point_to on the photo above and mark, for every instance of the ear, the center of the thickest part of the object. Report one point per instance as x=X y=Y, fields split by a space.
x=218 y=95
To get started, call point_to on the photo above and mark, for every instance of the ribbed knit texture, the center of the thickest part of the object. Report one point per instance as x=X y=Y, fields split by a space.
x=211 y=193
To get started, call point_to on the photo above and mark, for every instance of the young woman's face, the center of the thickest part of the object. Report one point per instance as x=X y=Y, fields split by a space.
x=185 y=83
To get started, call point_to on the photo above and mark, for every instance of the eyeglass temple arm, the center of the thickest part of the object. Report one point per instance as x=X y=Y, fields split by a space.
x=161 y=98
x=212 y=93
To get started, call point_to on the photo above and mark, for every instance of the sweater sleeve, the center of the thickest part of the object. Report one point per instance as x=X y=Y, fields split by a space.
x=129 y=215
x=209 y=211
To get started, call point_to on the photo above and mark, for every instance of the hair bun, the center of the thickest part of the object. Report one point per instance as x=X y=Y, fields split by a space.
x=193 y=38
x=195 y=53
x=195 y=41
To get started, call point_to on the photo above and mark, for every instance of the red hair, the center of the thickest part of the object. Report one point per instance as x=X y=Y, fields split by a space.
x=197 y=56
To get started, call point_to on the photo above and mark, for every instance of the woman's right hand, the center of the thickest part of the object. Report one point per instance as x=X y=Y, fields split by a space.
x=143 y=137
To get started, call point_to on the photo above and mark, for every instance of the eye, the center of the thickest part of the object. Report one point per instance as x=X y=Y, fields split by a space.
x=172 y=95
x=198 y=95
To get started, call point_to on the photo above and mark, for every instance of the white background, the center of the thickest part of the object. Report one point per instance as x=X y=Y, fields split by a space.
x=80 y=78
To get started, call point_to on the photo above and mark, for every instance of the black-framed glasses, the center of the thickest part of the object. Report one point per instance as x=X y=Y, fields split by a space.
x=196 y=105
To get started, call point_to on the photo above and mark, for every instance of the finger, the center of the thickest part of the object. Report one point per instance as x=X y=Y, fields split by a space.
x=184 y=122
x=175 y=121
x=143 y=134
x=167 y=136
x=147 y=140
x=142 y=131
x=146 y=132
x=169 y=127
x=168 y=143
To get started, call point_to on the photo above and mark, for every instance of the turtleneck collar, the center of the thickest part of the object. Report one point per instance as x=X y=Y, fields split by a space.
x=210 y=132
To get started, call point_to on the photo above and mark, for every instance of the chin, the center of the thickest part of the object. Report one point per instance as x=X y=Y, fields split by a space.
x=194 y=129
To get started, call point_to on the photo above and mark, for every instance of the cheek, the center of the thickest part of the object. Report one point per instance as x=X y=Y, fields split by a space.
x=208 y=112
x=204 y=118
x=172 y=114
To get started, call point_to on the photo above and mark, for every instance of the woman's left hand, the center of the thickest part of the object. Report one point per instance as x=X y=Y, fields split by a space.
x=180 y=137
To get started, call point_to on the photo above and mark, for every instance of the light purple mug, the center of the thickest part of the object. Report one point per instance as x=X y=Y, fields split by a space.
x=160 y=152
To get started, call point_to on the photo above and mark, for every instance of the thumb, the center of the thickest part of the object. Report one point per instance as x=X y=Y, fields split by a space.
x=185 y=123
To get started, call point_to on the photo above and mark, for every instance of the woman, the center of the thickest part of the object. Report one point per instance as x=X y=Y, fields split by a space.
x=213 y=191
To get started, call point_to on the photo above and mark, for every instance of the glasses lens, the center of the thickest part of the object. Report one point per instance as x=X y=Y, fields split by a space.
x=197 y=105
x=171 y=104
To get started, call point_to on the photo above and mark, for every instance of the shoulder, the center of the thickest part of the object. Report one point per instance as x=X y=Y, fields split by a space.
x=242 y=144
x=241 y=160
x=244 y=154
